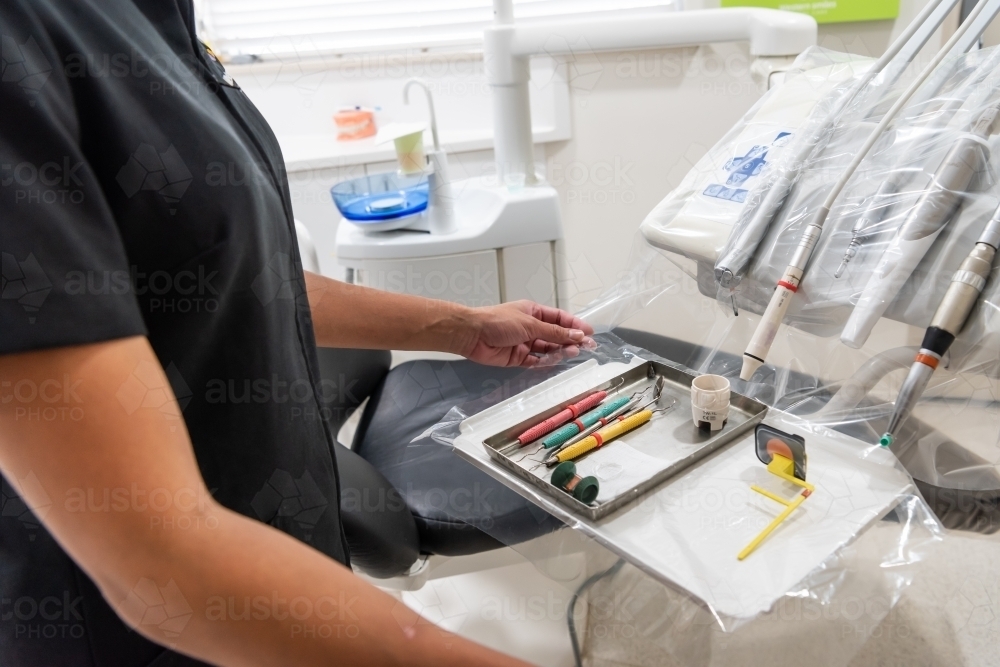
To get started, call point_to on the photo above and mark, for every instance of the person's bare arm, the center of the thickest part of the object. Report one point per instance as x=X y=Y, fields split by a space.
x=220 y=562
x=510 y=334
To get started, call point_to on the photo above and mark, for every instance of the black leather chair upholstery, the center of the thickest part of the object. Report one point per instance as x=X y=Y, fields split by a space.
x=458 y=509
x=380 y=530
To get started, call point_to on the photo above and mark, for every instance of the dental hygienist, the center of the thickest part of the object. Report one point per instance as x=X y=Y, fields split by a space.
x=131 y=280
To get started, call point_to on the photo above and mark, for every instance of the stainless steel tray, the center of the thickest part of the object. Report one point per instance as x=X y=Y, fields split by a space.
x=670 y=436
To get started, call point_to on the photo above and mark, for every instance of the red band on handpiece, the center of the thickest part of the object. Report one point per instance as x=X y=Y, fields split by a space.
x=788 y=286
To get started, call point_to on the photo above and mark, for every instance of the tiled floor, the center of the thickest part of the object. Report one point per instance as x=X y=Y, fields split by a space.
x=948 y=617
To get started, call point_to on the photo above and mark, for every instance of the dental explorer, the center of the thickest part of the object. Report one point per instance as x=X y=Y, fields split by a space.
x=767 y=328
x=966 y=286
x=740 y=248
x=936 y=206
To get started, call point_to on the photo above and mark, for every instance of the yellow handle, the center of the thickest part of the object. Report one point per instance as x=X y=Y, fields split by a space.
x=609 y=432
x=770 y=527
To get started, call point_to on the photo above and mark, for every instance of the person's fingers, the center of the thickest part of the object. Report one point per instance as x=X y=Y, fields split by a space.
x=529 y=361
x=518 y=354
x=554 y=357
x=562 y=318
x=543 y=347
x=553 y=333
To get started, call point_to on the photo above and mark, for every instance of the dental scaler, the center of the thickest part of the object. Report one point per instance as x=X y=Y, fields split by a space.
x=959 y=300
x=921 y=228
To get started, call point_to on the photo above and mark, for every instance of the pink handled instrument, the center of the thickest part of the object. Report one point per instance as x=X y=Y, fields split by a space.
x=561 y=417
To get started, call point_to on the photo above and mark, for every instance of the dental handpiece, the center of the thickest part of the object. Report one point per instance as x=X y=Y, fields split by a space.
x=920 y=229
x=872 y=216
x=960 y=298
x=732 y=265
x=767 y=328
x=879 y=205
x=770 y=322
x=755 y=220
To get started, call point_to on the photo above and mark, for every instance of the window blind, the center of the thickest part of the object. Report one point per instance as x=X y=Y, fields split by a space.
x=252 y=30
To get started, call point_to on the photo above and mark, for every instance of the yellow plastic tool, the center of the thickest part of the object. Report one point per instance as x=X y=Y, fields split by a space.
x=605 y=435
x=783 y=467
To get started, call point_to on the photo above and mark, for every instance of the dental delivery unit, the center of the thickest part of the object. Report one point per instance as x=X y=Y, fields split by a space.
x=865 y=185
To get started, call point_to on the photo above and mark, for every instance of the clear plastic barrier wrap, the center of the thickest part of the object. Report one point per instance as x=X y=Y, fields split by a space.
x=896 y=244
x=678 y=545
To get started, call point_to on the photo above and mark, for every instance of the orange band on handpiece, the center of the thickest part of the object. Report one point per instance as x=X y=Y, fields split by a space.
x=927 y=360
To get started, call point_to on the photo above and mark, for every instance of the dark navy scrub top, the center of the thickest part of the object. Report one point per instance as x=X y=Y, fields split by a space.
x=143 y=194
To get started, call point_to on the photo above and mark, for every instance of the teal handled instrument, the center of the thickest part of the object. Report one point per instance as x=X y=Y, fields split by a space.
x=566 y=432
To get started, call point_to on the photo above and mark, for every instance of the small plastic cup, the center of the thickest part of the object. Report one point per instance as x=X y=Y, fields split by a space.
x=710 y=402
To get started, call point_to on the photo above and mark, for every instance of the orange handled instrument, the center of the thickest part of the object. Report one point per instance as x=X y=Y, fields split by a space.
x=604 y=436
x=561 y=417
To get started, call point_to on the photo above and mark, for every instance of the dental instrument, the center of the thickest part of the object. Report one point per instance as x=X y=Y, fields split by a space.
x=784 y=455
x=566 y=414
x=629 y=420
x=600 y=438
x=618 y=413
x=742 y=245
x=584 y=489
x=564 y=433
x=767 y=328
x=921 y=228
x=961 y=297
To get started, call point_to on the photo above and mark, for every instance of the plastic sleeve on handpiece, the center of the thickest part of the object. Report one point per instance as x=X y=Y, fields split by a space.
x=561 y=417
x=915 y=237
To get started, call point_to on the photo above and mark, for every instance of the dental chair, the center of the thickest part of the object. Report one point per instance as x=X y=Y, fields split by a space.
x=405 y=496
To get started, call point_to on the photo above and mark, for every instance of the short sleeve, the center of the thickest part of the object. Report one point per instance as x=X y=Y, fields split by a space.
x=65 y=272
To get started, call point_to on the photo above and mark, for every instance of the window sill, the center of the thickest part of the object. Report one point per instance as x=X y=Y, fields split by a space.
x=306 y=152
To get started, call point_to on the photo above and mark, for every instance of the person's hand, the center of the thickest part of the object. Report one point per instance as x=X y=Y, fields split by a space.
x=516 y=333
